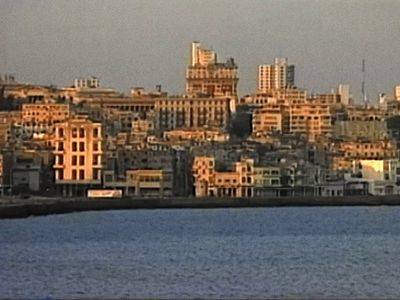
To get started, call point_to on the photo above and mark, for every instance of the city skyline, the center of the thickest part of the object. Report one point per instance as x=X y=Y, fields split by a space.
x=145 y=43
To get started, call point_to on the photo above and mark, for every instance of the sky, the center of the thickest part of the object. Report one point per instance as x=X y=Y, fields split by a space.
x=131 y=43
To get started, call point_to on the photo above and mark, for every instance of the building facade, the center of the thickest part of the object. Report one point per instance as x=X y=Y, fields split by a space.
x=238 y=182
x=78 y=151
x=207 y=77
x=41 y=117
x=172 y=113
x=276 y=76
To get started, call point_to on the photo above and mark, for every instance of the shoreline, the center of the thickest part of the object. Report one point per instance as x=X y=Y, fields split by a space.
x=39 y=206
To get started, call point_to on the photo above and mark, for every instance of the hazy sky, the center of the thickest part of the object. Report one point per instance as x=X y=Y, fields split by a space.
x=144 y=43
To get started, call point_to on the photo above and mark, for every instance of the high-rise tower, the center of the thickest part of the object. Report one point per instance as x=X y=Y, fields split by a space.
x=205 y=76
x=276 y=76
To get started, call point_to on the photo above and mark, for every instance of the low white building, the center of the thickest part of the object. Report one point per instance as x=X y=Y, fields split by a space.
x=381 y=175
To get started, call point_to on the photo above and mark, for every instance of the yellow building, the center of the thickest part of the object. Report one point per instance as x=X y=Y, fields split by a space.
x=327 y=99
x=361 y=113
x=197 y=135
x=269 y=118
x=367 y=150
x=131 y=104
x=239 y=182
x=41 y=117
x=142 y=182
x=267 y=181
x=310 y=120
x=397 y=92
x=276 y=76
x=360 y=130
x=283 y=96
x=172 y=113
x=205 y=76
x=142 y=125
x=78 y=151
x=344 y=153
x=381 y=175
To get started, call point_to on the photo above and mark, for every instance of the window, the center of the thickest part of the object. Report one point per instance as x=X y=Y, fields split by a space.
x=81 y=146
x=73 y=174
x=74 y=160
x=60 y=174
x=95 y=146
x=74 y=132
x=95 y=174
x=81 y=132
x=95 y=159
x=74 y=146
x=81 y=174
x=60 y=146
x=81 y=160
x=95 y=132
x=60 y=159
x=61 y=132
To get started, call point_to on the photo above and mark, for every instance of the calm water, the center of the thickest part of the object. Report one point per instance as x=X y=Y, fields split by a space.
x=226 y=253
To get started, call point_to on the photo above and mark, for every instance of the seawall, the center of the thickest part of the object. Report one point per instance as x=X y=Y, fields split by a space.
x=39 y=206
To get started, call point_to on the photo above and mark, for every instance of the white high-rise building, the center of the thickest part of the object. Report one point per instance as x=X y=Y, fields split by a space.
x=276 y=76
x=202 y=56
x=397 y=92
x=344 y=92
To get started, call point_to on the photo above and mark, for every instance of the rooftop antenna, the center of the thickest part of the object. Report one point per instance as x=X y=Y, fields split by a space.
x=364 y=94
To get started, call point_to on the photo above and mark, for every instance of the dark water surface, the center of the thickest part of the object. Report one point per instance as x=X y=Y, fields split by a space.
x=342 y=252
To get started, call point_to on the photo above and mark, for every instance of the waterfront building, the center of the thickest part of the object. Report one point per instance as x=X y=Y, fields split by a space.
x=381 y=174
x=142 y=182
x=276 y=76
x=235 y=182
x=205 y=76
x=267 y=181
x=78 y=151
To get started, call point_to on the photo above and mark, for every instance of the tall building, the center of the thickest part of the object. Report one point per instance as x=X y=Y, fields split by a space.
x=207 y=77
x=277 y=76
x=78 y=149
x=344 y=92
x=397 y=92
